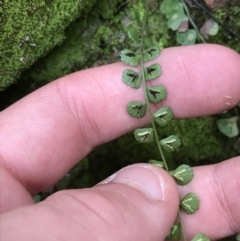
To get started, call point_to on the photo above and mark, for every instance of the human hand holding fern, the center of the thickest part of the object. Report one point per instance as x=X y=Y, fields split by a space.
x=57 y=125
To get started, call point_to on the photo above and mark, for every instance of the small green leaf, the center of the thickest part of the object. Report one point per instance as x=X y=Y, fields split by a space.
x=169 y=7
x=129 y=57
x=163 y=116
x=170 y=143
x=175 y=232
x=156 y=93
x=137 y=108
x=200 y=237
x=210 y=27
x=214 y=29
x=190 y=203
x=133 y=35
x=156 y=163
x=152 y=72
x=131 y=78
x=148 y=41
x=182 y=175
x=176 y=19
x=228 y=126
x=144 y=135
x=187 y=38
x=151 y=53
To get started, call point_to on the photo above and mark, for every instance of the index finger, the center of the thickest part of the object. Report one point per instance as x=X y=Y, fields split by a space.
x=46 y=133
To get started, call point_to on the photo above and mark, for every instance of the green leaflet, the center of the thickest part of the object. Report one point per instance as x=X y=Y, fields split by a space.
x=156 y=93
x=131 y=78
x=152 y=72
x=144 y=135
x=136 y=108
x=169 y=7
x=151 y=53
x=156 y=163
x=129 y=57
x=170 y=143
x=214 y=28
x=187 y=38
x=133 y=35
x=190 y=203
x=175 y=232
x=200 y=237
x=163 y=116
x=210 y=27
x=182 y=175
x=228 y=126
x=176 y=19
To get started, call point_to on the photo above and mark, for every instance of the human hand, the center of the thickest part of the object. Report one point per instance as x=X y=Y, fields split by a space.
x=46 y=133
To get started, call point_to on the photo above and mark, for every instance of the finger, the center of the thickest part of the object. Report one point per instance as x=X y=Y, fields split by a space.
x=218 y=188
x=138 y=203
x=14 y=197
x=53 y=128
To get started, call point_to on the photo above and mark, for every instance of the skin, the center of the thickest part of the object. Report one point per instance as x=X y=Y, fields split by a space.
x=46 y=133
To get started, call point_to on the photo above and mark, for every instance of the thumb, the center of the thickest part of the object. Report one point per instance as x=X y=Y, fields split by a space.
x=140 y=202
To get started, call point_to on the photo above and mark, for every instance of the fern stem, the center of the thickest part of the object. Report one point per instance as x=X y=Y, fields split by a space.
x=182 y=227
x=145 y=92
x=192 y=22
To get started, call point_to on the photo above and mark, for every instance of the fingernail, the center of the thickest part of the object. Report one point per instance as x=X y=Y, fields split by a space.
x=143 y=177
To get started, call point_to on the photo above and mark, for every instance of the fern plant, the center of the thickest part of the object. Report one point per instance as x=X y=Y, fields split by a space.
x=178 y=16
x=140 y=56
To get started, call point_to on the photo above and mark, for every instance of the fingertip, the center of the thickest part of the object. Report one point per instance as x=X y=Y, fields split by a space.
x=152 y=181
x=152 y=191
x=201 y=80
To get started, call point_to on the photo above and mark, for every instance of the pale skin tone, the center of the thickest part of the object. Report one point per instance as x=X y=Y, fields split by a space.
x=46 y=133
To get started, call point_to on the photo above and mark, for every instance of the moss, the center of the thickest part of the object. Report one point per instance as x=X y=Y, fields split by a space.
x=202 y=143
x=31 y=28
x=67 y=58
x=90 y=41
x=107 y=9
x=230 y=17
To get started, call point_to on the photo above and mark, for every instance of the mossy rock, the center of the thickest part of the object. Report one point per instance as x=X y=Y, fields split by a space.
x=30 y=29
x=91 y=40
x=95 y=40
